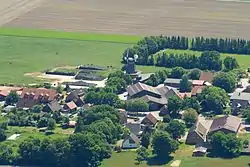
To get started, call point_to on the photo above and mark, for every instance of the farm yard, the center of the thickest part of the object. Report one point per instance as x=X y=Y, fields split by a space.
x=172 y=17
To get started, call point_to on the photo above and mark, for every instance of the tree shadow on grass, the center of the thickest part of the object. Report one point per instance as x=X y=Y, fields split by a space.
x=159 y=161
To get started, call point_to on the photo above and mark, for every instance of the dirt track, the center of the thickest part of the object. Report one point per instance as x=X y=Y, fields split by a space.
x=143 y=17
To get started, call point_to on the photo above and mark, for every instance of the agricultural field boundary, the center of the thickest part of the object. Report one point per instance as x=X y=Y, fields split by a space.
x=97 y=37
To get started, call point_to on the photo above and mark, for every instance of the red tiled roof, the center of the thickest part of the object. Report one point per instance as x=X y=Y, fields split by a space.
x=71 y=105
x=207 y=76
x=4 y=93
x=197 y=89
x=37 y=93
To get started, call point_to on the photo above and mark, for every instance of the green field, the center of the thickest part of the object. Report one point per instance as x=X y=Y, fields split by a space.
x=25 y=51
x=127 y=159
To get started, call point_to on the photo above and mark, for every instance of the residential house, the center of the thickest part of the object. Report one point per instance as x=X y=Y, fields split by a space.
x=131 y=141
x=76 y=96
x=207 y=76
x=149 y=120
x=70 y=106
x=34 y=96
x=52 y=106
x=198 y=133
x=240 y=100
x=134 y=127
x=226 y=124
x=155 y=103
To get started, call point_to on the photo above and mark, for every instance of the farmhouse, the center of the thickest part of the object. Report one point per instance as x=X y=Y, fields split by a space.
x=74 y=95
x=156 y=97
x=35 y=96
x=155 y=103
x=226 y=124
x=240 y=100
x=139 y=90
x=131 y=141
x=199 y=132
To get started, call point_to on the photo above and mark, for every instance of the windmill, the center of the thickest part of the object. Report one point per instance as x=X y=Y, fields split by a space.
x=130 y=63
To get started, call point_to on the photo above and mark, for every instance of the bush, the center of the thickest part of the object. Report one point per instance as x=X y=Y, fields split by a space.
x=137 y=105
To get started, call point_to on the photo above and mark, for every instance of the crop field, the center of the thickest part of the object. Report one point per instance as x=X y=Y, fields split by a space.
x=226 y=18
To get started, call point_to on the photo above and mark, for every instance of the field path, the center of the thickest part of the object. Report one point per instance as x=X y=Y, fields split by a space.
x=11 y=9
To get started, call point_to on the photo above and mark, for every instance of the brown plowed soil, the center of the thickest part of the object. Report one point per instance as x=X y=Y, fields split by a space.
x=141 y=17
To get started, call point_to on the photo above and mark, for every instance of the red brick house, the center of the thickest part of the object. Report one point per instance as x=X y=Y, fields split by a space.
x=34 y=96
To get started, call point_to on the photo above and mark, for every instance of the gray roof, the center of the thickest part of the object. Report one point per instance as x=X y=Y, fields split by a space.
x=201 y=128
x=240 y=96
x=228 y=122
x=173 y=81
x=54 y=106
x=134 y=128
x=172 y=92
x=162 y=101
x=134 y=138
x=138 y=87
x=162 y=90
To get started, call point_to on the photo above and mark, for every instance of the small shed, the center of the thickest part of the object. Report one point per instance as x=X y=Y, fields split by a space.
x=200 y=151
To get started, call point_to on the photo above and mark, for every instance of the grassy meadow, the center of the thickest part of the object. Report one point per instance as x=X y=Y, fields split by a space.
x=25 y=51
x=127 y=159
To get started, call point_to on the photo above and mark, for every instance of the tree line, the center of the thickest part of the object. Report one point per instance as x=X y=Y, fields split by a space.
x=209 y=60
x=153 y=44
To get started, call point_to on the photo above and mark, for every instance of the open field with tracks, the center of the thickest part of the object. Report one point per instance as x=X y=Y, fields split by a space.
x=141 y=17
